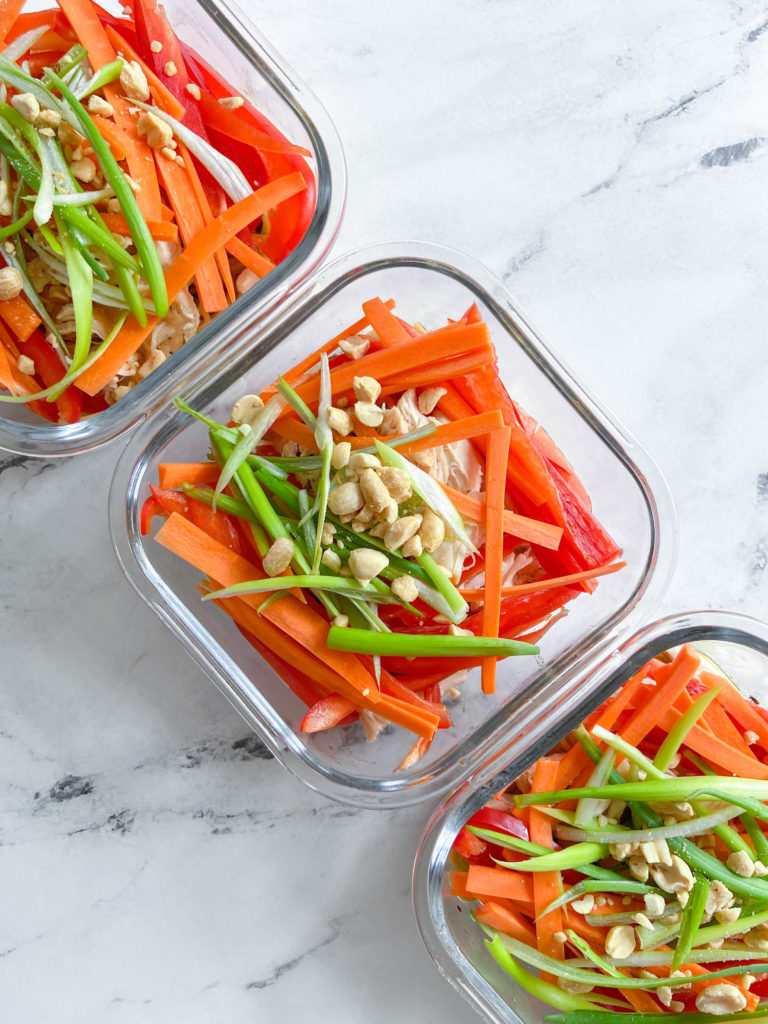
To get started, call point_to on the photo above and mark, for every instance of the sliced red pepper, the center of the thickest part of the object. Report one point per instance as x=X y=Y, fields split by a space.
x=149 y=510
x=216 y=524
x=468 y=846
x=172 y=501
x=296 y=681
x=393 y=688
x=327 y=713
x=499 y=821
x=49 y=368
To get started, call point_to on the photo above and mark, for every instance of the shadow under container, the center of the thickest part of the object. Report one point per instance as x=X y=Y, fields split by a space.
x=224 y=37
x=738 y=644
x=630 y=499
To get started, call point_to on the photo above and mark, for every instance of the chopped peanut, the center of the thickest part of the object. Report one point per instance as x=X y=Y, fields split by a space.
x=157 y=133
x=279 y=557
x=134 y=82
x=11 y=283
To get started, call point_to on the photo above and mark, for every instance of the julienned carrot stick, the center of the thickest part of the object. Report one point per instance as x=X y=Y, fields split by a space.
x=296 y=372
x=738 y=707
x=9 y=12
x=118 y=140
x=178 y=187
x=12 y=379
x=476 y=594
x=222 y=260
x=432 y=347
x=173 y=474
x=546 y=884
x=251 y=260
x=715 y=750
x=438 y=374
x=90 y=32
x=545 y=535
x=19 y=316
x=162 y=96
x=457 y=430
x=415 y=754
x=498 y=453
x=161 y=230
x=291 y=650
x=291 y=429
x=230 y=123
x=682 y=670
x=200 y=248
x=488 y=881
x=508 y=921
x=389 y=329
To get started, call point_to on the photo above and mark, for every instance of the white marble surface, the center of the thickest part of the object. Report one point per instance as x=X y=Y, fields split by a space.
x=608 y=161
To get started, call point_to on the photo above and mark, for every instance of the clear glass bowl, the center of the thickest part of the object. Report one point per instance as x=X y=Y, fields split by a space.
x=740 y=647
x=630 y=498
x=229 y=42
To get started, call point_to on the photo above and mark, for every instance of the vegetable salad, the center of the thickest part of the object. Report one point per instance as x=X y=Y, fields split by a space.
x=627 y=871
x=139 y=196
x=383 y=519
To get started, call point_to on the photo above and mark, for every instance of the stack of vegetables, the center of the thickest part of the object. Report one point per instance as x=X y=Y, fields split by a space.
x=376 y=532
x=138 y=198
x=629 y=867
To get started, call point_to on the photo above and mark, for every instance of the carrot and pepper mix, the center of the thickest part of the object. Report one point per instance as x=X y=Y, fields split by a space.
x=382 y=519
x=139 y=196
x=627 y=871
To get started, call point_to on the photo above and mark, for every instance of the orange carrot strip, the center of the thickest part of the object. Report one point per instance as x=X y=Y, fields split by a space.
x=715 y=750
x=213 y=559
x=19 y=317
x=162 y=96
x=738 y=707
x=9 y=12
x=682 y=670
x=546 y=884
x=12 y=379
x=222 y=260
x=202 y=246
x=431 y=347
x=161 y=230
x=90 y=31
x=384 y=323
x=174 y=474
x=251 y=260
x=476 y=594
x=508 y=921
x=488 y=881
x=459 y=885
x=166 y=213
x=544 y=534
x=118 y=140
x=236 y=127
x=716 y=721
x=498 y=453
x=178 y=187
x=457 y=430
x=296 y=373
x=293 y=430
x=438 y=373
x=415 y=754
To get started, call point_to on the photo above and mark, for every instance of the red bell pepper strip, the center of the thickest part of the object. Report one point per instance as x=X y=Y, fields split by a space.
x=499 y=821
x=49 y=368
x=468 y=846
x=172 y=501
x=149 y=510
x=216 y=524
x=329 y=712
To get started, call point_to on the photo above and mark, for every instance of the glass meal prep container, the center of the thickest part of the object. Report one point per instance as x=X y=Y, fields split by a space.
x=224 y=36
x=738 y=644
x=630 y=499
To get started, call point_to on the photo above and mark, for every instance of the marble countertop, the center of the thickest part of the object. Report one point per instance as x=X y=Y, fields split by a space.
x=608 y=162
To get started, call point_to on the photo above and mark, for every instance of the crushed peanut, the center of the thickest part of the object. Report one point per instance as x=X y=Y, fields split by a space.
x=279 y=557
x=134 y=81
x=231 y=102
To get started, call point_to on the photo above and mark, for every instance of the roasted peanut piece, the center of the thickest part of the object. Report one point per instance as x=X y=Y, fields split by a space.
x=412 y=548
x=11 y=284
x=97 y=105
x=365 y=564
x=341 y=454
x=26 y=104
x=332 y=560
x=245 y=279
x=620 y=941
x=405 y=588
x=674 y=877
x=429 y=398
x=279 y=557
x=728 y=915
x=574 y=988
x=246 y=409
x=355 y=347
x=364 y=460
x=157 y=133
x=375 y=493
x=367 y=389
x=741 y=864
x=718 y=898
x=454 y=630
x=369 y=414
x=654 y=904
x=397 y=482
x=432 y=531
x=346 y=500
x=340 y=421
x=401 y=530
x=26 y=365
x=721 y=999
x=584 y=904
x=638 y=868
x=134 y=81
x=642 y=920
x=329 y=531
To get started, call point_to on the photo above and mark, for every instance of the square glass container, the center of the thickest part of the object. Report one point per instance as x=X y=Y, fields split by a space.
x=225 y=37
x=630 y=498
x=738 y=644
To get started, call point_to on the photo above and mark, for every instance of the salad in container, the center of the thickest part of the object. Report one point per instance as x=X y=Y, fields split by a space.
x=365 y=510
x=142 y=196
